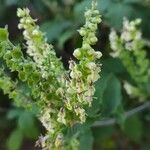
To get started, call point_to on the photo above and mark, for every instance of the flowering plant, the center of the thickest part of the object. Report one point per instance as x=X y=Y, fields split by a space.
x=67 y=102
x=61 y=96
x=129 y=47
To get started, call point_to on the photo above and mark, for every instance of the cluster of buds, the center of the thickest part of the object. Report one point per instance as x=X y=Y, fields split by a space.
x=72 y=95
x=83 y=75
x=130 y=35
x=129 y=47
x=130 y=38
x=37 y=47
x=115 y=44
x=45 y=119
x=50 y=66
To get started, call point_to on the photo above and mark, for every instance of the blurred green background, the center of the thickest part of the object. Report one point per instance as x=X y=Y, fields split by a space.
x=60 y=19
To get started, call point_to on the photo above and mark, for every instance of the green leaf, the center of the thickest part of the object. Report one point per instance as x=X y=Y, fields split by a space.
x=16 y=2
x=119 y=10
x=64 y=37
x=3 y=34
x=27 y=67
x=80 y=8
x=11 y=2
x=16 y=53
x=133 y=128
x=15 y=140
x=113 y=65
x=103 y=5
x=35 y=77
x=100 y=87
x=132 y=1
x=112 y=96
x=22 y=75
x=27 y=125
x=86 y=140
x=14 y=113
x=103 y=133
x=55 y=28
x=147 y=117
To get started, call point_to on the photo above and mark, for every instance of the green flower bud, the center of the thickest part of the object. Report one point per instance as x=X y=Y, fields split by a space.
x=93 y=40
x=91 y=65
x=82 y=32
x=98 y=54
x=20 y=13
x=77 y=53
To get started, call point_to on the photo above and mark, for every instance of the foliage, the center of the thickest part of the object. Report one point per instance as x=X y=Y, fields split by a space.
x=39 y=83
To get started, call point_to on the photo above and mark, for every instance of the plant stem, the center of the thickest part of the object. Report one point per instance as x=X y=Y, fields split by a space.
x=112 y=121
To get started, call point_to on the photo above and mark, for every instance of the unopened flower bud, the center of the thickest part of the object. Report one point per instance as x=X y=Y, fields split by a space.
x=92 y=26
x=91 y=65
x=86 y=46
x=25 y=33
x=22 y=20
x=20 y=12
x=98 y=54
x=72 y=74
x=59 y=140
x=82 y=32
x=20 y=26
x=35 y=32
x=88 y=13
x=95 y=12
x=93 y=40
x=28 y=20
x=77 y=53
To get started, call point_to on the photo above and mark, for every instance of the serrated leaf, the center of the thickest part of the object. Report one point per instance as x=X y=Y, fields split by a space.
x=16 y=53
x=3 y=34
x=22 y=75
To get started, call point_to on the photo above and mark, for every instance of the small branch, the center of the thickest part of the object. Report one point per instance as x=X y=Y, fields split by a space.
x=112 y=121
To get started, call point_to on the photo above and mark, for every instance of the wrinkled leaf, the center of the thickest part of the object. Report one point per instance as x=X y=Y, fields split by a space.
x=3 y=34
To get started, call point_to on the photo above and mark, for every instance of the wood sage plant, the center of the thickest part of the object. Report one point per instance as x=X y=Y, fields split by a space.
x=60 y=96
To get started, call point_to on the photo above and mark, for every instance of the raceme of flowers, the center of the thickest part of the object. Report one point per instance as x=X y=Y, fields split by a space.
x=60 y=96
x=129 y=47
